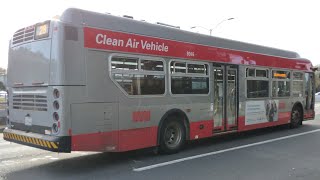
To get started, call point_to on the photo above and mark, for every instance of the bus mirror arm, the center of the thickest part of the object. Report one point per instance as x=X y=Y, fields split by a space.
x=314 y=69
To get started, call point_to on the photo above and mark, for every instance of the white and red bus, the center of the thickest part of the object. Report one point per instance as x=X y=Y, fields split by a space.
x=97 y=82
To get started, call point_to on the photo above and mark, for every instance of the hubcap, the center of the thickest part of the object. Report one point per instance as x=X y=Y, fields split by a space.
x=173 y=135
x=296 y=116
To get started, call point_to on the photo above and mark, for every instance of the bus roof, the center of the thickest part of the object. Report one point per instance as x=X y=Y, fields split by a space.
x=80 y=17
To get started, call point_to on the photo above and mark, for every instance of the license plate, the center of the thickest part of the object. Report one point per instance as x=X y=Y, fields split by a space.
x=28 y=121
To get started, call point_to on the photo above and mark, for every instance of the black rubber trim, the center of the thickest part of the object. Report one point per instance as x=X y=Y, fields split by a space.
x=46 y=142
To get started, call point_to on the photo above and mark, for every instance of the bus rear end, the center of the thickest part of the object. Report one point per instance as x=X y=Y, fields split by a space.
x=34 y=103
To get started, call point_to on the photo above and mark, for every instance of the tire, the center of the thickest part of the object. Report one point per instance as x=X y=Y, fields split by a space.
x=296 y=117
x=172 y=136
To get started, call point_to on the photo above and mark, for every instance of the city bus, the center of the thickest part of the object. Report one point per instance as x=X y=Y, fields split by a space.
x=96 y=82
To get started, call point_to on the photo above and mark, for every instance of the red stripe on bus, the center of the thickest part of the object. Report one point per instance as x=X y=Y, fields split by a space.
x=102 y=141
x=125 y=42
x=137 y=138
x=126 y=140
x=123 y=140
x=201 y=129
x=309 y=114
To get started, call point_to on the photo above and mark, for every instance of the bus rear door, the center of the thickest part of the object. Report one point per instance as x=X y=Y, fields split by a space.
x=225 y=97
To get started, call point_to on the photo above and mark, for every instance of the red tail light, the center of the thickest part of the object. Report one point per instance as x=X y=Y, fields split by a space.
x=56 y=93
x=56 y=116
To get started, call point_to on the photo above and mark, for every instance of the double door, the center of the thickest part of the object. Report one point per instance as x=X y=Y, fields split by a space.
x=225 y=101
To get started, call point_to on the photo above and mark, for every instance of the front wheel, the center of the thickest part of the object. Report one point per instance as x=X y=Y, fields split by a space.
x=172 y=136
x=296 y=117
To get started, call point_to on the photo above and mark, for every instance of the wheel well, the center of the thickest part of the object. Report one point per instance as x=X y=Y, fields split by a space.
x=298 y=104
x=176 y=113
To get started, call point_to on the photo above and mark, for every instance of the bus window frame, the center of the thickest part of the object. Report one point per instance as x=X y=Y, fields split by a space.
x=188 y=75
x=296 y=80
x=268 y=78
x=272 y=79
x=138 y=72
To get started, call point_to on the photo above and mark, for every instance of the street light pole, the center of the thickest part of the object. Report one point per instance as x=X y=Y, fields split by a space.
x=210 y=30
x=222 y=22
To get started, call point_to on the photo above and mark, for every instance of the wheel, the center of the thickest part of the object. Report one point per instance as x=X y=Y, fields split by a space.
x=172 y=136
x=296 y=117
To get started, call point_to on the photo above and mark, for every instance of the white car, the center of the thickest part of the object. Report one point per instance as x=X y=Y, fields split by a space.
x=317 y=95
x=3 y=93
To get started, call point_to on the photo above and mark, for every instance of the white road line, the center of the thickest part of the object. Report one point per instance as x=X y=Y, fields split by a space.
x=221 y=151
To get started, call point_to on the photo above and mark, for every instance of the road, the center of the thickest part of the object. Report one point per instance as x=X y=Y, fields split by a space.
x=273 y=153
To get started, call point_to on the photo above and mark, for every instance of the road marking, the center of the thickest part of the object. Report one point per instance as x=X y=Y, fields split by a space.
x=221 y=151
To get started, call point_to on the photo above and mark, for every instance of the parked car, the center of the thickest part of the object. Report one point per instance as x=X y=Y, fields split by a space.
x=317 y=97
x=3 y=93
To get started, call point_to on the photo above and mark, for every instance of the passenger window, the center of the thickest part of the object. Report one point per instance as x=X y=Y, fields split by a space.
x=189 y=85
x=151 y=65
x=297 y=84
x=197 y=68
x=148 y=80
x=262 y=73
x=141 y=84
x=178 y=67
x=257 y=88
x=189 y=78
x=280 y=83
x=124 y=63
x=257 y=83
x=250 y=72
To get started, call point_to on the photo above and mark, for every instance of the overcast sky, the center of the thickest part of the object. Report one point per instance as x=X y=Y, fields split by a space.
x=291 y=25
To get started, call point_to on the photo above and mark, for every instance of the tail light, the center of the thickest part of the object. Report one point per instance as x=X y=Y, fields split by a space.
x=56 y=105
x=56 y=116
x=55 y=128
x=56 y=93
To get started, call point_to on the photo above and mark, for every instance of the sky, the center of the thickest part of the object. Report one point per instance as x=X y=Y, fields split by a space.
x=287 y=24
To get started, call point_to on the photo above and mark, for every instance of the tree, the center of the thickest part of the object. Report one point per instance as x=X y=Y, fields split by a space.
x=3 y=71
x=2 y=86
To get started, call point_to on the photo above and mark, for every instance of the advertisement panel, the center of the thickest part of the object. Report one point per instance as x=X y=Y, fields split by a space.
x=261 y=111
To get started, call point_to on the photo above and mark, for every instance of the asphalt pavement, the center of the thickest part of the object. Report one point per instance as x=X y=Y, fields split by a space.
x=272 y=153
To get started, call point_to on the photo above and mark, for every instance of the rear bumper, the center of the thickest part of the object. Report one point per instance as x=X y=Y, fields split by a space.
x=46 y=142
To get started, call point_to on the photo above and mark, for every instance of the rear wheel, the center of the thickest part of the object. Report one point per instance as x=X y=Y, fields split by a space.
x=172 y=136
x=296 y=117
